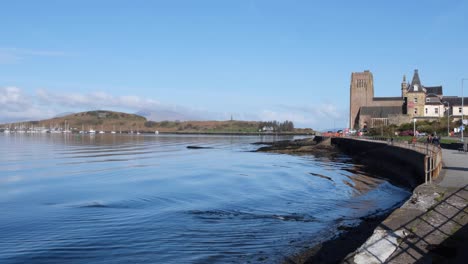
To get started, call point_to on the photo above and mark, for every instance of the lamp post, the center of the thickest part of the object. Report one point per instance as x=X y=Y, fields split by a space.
x=462 y=125
x=448 y=117
x=414 y=127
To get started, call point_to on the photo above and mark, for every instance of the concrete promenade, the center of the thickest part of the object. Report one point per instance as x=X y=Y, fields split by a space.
x=455 y=169
x=431 y=227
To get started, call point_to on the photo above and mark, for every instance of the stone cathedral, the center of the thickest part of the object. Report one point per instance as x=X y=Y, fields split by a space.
x=416 y=101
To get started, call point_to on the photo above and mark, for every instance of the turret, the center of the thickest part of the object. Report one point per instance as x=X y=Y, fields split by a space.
x=404 y=87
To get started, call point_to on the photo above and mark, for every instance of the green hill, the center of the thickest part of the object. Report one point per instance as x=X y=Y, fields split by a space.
x=97 y=120
x=118 y=121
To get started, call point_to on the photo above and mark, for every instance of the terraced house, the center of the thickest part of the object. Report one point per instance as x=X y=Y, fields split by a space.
x=415 y=102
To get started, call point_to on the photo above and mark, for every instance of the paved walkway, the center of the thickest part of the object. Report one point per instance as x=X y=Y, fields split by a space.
x=455 y=169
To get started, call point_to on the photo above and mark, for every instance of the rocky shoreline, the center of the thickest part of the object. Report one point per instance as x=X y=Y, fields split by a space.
x=316 y=146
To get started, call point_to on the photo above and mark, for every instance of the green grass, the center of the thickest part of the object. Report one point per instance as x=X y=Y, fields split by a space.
x=448 y=141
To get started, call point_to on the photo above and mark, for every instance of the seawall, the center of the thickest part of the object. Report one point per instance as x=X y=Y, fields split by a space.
x=402 y=166
x=431 y=225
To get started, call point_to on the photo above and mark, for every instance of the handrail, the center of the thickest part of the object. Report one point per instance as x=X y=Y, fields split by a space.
x=432 y=159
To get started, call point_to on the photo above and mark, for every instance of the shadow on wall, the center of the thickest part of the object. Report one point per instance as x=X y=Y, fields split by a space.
x=400 y=166
x=446 y=219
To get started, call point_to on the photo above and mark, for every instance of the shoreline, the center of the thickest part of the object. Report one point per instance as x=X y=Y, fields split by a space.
x=180 y=133
x=235 y=133
x=348 y=238
x=429 y=226
x=334 y=250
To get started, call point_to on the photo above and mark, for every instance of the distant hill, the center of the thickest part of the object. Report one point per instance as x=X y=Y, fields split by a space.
x=97 y=120
x=63 y=114
x=118 y=121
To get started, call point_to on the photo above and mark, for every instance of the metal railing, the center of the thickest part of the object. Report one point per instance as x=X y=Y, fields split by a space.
x=432 y=152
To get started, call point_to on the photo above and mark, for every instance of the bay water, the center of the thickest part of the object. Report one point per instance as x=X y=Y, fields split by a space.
x=149 y=199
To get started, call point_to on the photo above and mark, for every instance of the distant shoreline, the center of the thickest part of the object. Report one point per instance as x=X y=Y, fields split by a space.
x=238 y=133
x=189 y=133
x=107 y=121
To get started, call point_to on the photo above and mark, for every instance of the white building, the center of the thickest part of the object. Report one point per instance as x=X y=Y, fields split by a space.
x=437 y=110
x=456 y=106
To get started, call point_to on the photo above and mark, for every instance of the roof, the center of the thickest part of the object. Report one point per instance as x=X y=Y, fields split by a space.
x=432 y=99
x=433 y=103
x=455 y=100
x=416 y=79
x=416 y=82
x=380 y=111
x=434 y=90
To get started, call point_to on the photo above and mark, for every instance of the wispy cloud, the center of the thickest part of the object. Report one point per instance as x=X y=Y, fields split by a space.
x=19 y=105
x=97 y=100
x=16 y=55
x=318 y=116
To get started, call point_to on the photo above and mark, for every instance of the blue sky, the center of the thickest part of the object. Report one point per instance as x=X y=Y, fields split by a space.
x=256 y=60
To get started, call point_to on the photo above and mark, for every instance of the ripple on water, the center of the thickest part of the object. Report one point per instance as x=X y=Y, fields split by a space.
x=149 y=199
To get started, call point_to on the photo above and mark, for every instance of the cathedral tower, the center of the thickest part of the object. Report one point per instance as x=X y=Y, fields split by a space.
x=361 y=94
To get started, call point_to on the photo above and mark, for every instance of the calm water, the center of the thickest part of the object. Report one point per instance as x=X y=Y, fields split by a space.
x=149 y=199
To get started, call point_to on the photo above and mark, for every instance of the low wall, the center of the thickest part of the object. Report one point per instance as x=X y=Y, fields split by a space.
x=452 y=146
x=402 y=166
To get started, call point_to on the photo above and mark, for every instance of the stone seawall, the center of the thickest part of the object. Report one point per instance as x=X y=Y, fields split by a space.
x=402 y=166
x=430 y=227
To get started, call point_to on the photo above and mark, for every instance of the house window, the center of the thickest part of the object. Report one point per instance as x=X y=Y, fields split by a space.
x=415 y=99
x=459 y=110
x=426 y=110
x=428 y=100
x=436 y=110
x=415 y=110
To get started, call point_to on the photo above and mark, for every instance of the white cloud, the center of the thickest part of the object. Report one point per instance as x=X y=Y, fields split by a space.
x=20 y=106
x=12 y=99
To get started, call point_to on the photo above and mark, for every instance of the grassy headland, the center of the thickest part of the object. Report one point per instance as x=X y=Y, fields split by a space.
x=118 y=121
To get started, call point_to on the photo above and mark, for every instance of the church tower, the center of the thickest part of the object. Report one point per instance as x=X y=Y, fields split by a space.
x=361 y=94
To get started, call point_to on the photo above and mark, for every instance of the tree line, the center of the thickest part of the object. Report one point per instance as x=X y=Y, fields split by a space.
x=286 y=126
